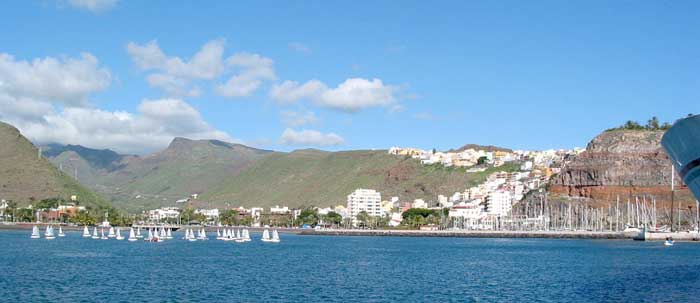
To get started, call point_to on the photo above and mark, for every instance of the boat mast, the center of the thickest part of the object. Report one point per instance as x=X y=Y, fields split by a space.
x=673 y=183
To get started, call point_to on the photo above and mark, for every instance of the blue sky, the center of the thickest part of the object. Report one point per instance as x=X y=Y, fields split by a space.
x=520 y=74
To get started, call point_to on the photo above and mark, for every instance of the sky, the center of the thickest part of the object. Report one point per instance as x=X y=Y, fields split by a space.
x=342 y=75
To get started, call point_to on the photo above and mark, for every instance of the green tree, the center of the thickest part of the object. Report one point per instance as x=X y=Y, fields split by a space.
x=419 y=216
x=48 y=203
x=482 y=160
x=187 y=215
x=83 y=218
x=363 y=218
x=333 y=218
x=308 y=216
x=229 y=217
x=653 y=123
x=26 y=215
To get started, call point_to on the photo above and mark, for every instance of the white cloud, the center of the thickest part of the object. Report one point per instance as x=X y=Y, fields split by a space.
x=66 y=80
x=175 y=75
x=254 y=69
x=47 y=100
x=300 y=47
x=95 y=6
x=152 y=128
x=353 y=95
x=310 y=138
x=294 y=119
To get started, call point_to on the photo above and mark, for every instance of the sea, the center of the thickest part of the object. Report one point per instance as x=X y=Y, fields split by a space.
x=346 y=269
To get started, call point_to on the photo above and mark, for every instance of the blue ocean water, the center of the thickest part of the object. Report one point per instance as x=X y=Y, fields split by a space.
x=346 y=269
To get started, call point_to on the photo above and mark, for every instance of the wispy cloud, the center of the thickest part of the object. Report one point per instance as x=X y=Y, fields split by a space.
x=310 y=138
x=95 y=6
x=295 y=119
x=300 y=47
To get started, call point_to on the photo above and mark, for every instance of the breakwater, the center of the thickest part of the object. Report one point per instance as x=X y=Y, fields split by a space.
x=473 y=234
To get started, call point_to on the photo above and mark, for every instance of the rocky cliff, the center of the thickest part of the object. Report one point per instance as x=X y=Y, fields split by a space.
x=618 y=163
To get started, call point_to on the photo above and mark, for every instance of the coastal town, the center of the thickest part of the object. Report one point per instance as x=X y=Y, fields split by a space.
x=479 y=207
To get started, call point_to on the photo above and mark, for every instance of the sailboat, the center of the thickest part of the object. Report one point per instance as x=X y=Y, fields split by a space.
x=60 y=232
x=149 y=238
x=35 y=233
x=275 y=237
x=119 y=234
x=218 y=234
x=103 y=237
x=191 y=237
x=86 y=232
x=49 y=233
x=266 y=236
x=138 y=233
x=111 y=233
x=132 y=236
x=203 y=234
x=246 y=235
x=163 y=233
x=94 y=233
x=169 y=234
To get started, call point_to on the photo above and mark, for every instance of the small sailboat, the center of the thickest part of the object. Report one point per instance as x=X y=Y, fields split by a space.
x=275 y=237
x=49 y=233
x=218 y=234
x=149 y=238
x=86 y=232
x=132 y=235
x=35 y=233
x=94 y=233
x=246 y=235
x=192 y=238
x=60 y=232
x=266 y=236
x=203 y=234
x=119 y=234
x=169 y=234
x=138 y=233
x=111 y=233
x=102 y=236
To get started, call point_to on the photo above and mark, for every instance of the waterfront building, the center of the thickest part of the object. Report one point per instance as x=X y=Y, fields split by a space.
x=499 y=202
x=367 y=200
x=279 y=210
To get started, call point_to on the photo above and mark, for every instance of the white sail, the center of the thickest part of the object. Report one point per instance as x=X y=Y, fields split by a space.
x=94 y=233
x=138 y=232
x=275 y=236
x=119 y=234
x=265 y=236
x=111 y=233
x=60 y=232
x=49 y=233
x=86 y=232
x=192 y=238
x=169 y=234
x=132 y=236
x=35 y=233
x=150 y=235
x=218 y=234
x=103 y=237
x=204 y=234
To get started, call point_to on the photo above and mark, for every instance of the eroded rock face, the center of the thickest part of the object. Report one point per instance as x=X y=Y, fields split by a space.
x=617 y=160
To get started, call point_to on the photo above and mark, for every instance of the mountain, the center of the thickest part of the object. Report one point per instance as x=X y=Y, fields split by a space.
x=312 y=177
x=25 y=176
x=185 y=167
x=619 y=163
x=233 y=174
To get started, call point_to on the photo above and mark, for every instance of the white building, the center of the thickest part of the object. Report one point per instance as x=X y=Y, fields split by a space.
x=367 y=200
x=500 y=202
x=211 y=214
x=279 y=210
x=163 y=213
x=419 y=203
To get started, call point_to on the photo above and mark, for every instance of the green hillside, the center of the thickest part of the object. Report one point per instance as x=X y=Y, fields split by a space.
x=24 y=176
x=312 y=177
x=186 y=167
